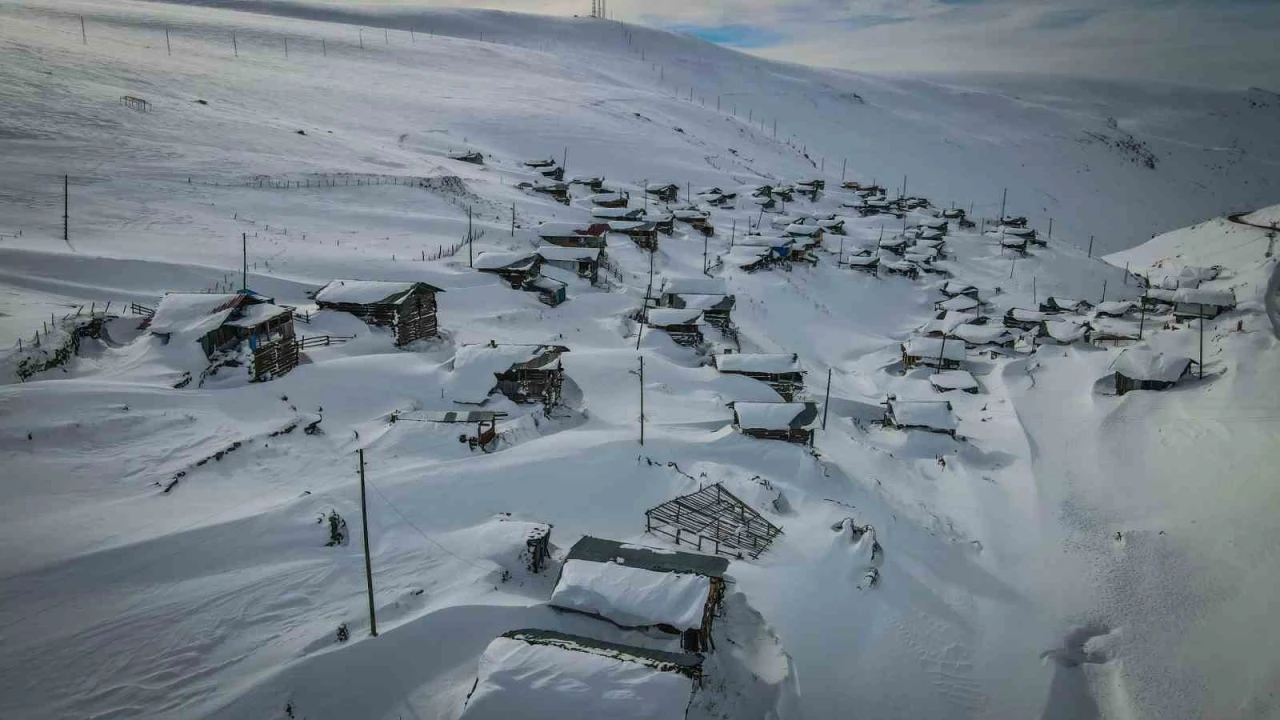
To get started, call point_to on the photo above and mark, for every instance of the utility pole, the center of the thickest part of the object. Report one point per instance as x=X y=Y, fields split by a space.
x=1142 y=318
x=361 y=38
x=234 y=47
x=1090 y=246
x=1003 y=201
x=826 y=402
x=1033 y=290
x=513 y=219
x=1201 y=341
x=1104 y=291
x=471 y=256
x=1050 y=230
x=840 y=257
x=412 y=39
x=66 y=208
x=733 y=231
x=386 y=38
x=84 y=37
x=904 y=186
x=564 y=160
x=286 y=47
x=641 y=399
x=843 y=166
x=705 y=269
x=167 y=46
x=368 y=565
x=324 y=51
x=244 y=254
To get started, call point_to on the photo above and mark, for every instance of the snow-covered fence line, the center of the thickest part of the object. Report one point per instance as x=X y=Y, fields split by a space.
x=56 y=341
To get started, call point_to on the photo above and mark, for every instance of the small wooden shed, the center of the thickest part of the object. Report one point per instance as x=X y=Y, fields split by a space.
x=643 y=234
x=937 y=353
x=684 y=325
x=665 y=192
x=585 y=262
x=710 y=295
x=780 y=372
x=222 y=322
x=409 y=308
x=516 y=268
x=1145 y=369
x=525 y=374
x=467 y=156
x=1192 y=303
x=588 y=235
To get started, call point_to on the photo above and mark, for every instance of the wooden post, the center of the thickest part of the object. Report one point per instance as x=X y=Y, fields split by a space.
x=234 y=47
x=244 y=252
x=84 y=38
x=705 y=239
x=1033 y=290
x=513 y=219
x=826 y=401
x=641 y=398
x=1142 y=321
x=733 y=231
x=66 y=208
x=471 y=256
x=1090 y=246
x=1050 y=230
x=843 y=166
x=1126 y=274
x=386 y=39
x=412 y=40
x=1104 y=291
x=361 y=38
x=324 y=51
x=1003 y=201
x=167 y=46
x=286 y=47
x=1014 y=265
x=368 y=565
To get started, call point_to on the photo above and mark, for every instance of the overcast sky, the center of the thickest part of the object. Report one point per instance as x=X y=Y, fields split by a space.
x=1224 y=43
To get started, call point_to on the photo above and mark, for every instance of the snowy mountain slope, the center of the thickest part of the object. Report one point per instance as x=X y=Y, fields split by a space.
x=1003 y=590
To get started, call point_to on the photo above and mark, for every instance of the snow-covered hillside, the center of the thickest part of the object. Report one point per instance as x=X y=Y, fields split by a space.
x=1069 y=553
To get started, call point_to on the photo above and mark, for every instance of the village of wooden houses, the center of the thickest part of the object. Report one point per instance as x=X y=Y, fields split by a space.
x=584 y=445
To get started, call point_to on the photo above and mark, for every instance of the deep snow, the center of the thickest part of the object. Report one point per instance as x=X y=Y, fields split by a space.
x=1077 y=554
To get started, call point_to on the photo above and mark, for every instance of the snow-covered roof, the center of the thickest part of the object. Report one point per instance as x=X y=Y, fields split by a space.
x=774 y=416
x=1066 y=303
x=862 y=260
x=367 y=292
x=616 y=213
x=708 y=302
x=596 y=549
x=1064 y=331
x=542 y=282
x=743 y=256
x=659 y=187
x=803 y=230
x=935 y=414
x=773 y=364
x=948 y=322
x=1114 y=307
x=954 y=288
x=608 y=197
x=254 y=315
x=959 y=303
x=982 y=334
x=934 y=223
x=1023 y=315
x=495 y=260
x=1198 y=296
x=766 y=241
x=893 y=242
x=631 y=226
x=1013 y=242
x=953 y=380
x=923 y=347
x=687 y=215
x=666 y=317
x=632 y=596
x=563 y=229
x=192 y=313
x=694 y=286
x=1112 y=328
x=568 y=254
x=543 y=675
x=1147 y=364
x=475 y=368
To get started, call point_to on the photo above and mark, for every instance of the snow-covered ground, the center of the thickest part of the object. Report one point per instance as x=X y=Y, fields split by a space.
x=1070 y=554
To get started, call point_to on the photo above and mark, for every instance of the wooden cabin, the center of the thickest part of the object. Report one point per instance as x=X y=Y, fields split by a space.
x=1115 y=308
x=793 y=422
x=864 y=263
x=1023 y=319
x=525 y=374
x=973 y=335
x=959 y=303
x=937 y=353
x=954 y=289
x=408 y=308
x=593 y=183
x=643 y=234
x=516 y=268
x=697 y=219
x=896 y=244
x=557 y=190
x=1014 y=222
x=1191 y=303
x=610 y=200
x=749 y=259
x=1014 y=243
x=548 y=674
x=953 y=214
x=809 y=235
x=664 y=192
x=584 y=262
x=547 y=169
x=683 y=325
x=591 y=235
x=663 y=222
x=710 y=295
x=935 y=416
x=780 y=372
x=223 y=322
x=684 y=589
x=906 y=269
x=467 y=156
x=1145 y=369
x=832 y=225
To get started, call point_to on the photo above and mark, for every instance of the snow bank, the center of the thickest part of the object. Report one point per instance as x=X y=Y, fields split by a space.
x=758 y=363
x=1142 y=363
x=632 y=597
x=774 y=416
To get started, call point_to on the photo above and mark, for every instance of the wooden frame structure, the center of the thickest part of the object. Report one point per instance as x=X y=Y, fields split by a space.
x=713 y=519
